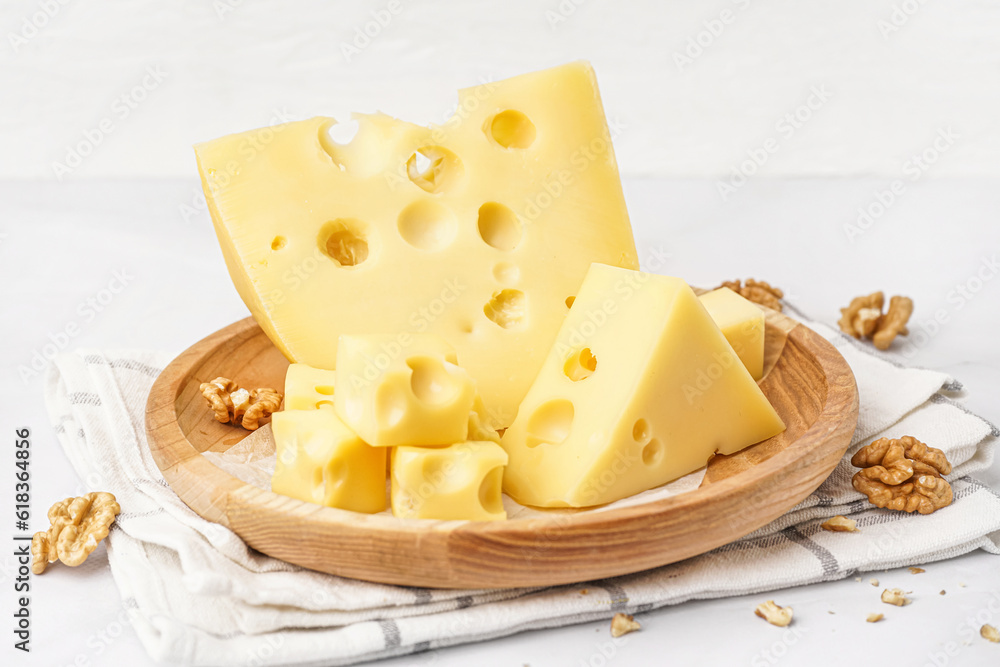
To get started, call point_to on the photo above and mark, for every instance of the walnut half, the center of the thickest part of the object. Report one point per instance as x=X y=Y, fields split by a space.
x=757 y=291
x=863 y=318
x=903 y=475
x=230 y=402
x=622 y=624
x=77 y=526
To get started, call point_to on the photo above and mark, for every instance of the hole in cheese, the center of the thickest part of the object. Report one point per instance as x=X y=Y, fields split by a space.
x=431 y=382
x=512 y=129
x=325 y=389
x=343 y=133
x=323 y=404
x=278 y=243
x=652 y=452
x=550 y=423
x=507 y=308
x=580 y=365
x=344 y=241
x=489 y=491
x=499 y=226
x=506 y=273
x=640 y=431
x=390 y=405
x=427 y=225
x=434 y=169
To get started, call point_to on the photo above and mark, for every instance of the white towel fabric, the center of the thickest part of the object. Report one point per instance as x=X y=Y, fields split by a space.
x=198 y=595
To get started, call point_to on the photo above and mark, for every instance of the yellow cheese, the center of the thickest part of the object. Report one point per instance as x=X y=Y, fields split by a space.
x=461 y=481
x=639 y=389
x=403 y=390
x=742 y=324
x=320 y=460
x=481 y=425
x=307 y=388
x=476 y=230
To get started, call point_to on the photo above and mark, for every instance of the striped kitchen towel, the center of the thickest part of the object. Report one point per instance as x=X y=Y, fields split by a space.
x=197 y=595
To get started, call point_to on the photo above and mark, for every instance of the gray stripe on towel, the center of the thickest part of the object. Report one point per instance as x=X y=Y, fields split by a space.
x=826 y=559
x=391 y=632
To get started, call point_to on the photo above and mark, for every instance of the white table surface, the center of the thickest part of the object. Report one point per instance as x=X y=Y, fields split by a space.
x=62 y=243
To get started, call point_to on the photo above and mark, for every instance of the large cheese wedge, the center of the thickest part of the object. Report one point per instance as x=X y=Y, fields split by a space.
x=320 y=460
x=477 y=230
x=742 y=323
x=639 y=389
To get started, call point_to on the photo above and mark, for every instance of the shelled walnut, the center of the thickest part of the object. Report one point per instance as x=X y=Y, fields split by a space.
x=757 y=291
x=77 y=526
x=232 y=403
x=904 y=475
x=863 y=318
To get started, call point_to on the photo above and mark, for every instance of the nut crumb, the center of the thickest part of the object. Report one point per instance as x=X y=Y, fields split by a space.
x=917 y=570
x=896 y=596
x=622 y=624
x=832 y=613
x=875 y=618
x=584 y=591
x=942 y=592
x=840 y=524
x=773 y=614
x=990 y=633
x=961 y=584
x=873 y=581
x=857 y=579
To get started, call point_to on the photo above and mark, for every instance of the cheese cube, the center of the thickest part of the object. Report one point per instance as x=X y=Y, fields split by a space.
x=476 y=230
x=461 y=481
x=742 y=323
x=307 y=388
x=320 y=460
x=403 y=390
x=639 y=389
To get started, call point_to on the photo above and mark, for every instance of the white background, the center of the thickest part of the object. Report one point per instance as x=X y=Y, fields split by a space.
x=132 y=204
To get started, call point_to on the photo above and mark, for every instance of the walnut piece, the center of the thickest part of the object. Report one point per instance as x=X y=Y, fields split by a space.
x=232 y=403
x=840 y=524
x=42 y=552
x=896 y=596
x=917 y=570
x=873 y=581
x=874 y=618
x=622 y=624
x=863 y=318
x=903 y=475
x=773 y=614
x=990 y=633
x=77 y=526
x=757 y=291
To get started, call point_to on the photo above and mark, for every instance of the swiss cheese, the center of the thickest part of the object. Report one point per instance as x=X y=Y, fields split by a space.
x=477 y=230
x=403 y=390
x=639 y=389
x=461 y=481
x=308 y=388
x=320 y=460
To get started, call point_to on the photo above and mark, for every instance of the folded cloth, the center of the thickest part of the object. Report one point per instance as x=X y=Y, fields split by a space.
x=197 y=595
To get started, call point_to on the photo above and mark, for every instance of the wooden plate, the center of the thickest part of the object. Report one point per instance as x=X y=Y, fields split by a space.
x=806 y=380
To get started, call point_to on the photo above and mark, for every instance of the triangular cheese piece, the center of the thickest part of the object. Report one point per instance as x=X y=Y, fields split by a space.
x=476 y=230
x=639 y=389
